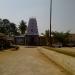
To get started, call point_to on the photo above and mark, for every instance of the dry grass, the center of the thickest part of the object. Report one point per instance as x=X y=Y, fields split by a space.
x=64 y=50
x=66 y=61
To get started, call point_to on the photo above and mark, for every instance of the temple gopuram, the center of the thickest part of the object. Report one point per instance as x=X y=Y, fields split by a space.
x=32 y=35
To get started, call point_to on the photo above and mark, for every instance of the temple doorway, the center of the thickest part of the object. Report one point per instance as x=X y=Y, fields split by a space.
x=32 y=41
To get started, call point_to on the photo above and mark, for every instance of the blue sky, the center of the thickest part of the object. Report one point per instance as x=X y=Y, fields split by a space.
x=63 y=13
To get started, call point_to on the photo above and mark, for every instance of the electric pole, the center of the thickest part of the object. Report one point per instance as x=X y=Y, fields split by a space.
x=50 y=22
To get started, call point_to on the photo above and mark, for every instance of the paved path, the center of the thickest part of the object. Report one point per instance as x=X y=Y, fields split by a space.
x=27 y=61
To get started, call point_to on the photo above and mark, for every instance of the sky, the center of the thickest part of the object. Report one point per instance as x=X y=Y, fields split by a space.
x=63 y=13
x=63 y=16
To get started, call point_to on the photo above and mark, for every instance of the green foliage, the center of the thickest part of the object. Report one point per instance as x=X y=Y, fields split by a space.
x=6 y=25
x=61 y=37
x=22 y=27
x=57 y=37
x=6 y=21
x=8 y=28
x=13 y=29
x=46 y=35
x=3 y=30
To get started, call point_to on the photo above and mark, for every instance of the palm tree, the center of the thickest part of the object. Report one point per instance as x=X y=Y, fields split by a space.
x=22 y=27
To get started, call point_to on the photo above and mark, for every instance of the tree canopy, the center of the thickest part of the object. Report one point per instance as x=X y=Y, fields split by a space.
x=61 y=37
x=22 y=27
x=10 y=28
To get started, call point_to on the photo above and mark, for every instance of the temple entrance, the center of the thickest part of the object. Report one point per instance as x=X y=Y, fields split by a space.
x=32 y=41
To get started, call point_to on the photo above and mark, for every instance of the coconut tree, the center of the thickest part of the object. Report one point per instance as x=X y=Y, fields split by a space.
x=22 y=27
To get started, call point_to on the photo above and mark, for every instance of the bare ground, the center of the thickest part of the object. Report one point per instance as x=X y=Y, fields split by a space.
x=28 y=61
x=65 y=61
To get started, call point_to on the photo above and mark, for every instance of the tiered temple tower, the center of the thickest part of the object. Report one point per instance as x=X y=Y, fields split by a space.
x=32 y=35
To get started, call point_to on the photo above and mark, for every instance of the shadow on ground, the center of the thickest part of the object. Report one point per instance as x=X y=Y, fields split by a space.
x=30 y=46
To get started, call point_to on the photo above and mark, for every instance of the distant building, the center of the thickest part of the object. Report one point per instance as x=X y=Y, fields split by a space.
x=32 y=35
x=20 y=40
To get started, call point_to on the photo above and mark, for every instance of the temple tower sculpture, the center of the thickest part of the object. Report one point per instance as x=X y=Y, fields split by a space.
x=32 y=35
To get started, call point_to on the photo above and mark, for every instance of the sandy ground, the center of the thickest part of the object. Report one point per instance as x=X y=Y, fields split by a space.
x=62 y=60
x=64 y=50
x=67 y=49
x=28 y=61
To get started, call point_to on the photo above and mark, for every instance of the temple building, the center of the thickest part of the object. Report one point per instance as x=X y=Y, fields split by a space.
x=32 y=35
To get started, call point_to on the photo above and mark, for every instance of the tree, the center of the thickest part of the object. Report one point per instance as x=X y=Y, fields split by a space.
x=22 y=27
x=61 y=37
x=6 y=21
x=2 y=27
x=46 y=35
x=6 y=24
x=13 y=29
x=3 y=30
x=8 y=28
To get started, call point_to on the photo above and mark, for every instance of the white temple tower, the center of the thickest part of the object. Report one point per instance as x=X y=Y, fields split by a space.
x=32 y=35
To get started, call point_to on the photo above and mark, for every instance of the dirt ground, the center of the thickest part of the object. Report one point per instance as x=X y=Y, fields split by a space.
x=28 y=61
x=65 y=61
